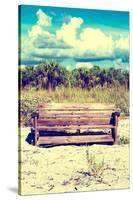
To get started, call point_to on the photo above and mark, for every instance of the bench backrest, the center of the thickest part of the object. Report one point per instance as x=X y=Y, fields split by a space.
x=64 y=114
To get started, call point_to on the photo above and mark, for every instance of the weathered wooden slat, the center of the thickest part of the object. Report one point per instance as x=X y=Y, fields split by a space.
x=76 y=105
x=72 y=121
x=74 y=139
x=72 y=127
x=78 y=115
x=41 y=113
x=75 y=109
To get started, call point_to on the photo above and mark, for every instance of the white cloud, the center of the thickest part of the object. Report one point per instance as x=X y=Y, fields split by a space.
x=118 y=63
x=122 y=43
x=91 y=41
x=84 y=64
x=39 y=28
x=94 y=42
x=67 y=33
x=35 y=31
x=43 y=19
x=22 y=66
x=71 y=41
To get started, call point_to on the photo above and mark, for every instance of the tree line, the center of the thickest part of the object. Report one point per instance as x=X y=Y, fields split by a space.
x=50 y=74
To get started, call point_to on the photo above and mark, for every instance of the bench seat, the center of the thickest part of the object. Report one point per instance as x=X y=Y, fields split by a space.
x=75 y=128
x=75 y=139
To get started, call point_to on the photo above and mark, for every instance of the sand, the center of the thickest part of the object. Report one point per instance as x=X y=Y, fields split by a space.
x=66 y=168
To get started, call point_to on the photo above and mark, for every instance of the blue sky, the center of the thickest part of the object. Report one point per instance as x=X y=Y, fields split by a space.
x=74 y=37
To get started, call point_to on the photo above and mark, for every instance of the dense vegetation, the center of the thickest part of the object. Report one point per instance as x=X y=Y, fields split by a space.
x=50 y=74
x=50 y=82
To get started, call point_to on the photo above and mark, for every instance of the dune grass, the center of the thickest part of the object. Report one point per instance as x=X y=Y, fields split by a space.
x=30 y=98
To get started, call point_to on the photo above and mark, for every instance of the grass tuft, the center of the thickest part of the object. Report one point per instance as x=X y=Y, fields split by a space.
x=122 y=140
x=94 y=168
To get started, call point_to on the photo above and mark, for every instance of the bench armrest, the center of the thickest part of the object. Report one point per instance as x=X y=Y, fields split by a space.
x=114 y=117
x=35 y=114
x=117 y=114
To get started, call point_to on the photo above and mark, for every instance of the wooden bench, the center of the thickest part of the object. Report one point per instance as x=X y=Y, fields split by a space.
x=63 y=119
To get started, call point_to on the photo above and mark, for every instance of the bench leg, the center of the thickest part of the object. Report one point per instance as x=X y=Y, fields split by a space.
x=115 y=123
x=36 y=137
x=36 y=133
x=114 y=134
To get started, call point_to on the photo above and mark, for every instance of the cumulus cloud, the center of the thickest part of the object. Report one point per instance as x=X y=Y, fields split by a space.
x=122 y=44
x=95 y=42
x=35 y=31
x=84 y=64
x=42 y=43
x=71 y=40
x=43 y=19
x=38 y=30
x=121 y=49
x=68 y=32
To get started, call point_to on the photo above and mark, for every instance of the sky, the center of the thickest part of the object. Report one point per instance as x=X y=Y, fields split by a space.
x=74 y=37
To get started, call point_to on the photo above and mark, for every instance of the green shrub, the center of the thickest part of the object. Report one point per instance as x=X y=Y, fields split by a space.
x=122 y=140
x=28 y=104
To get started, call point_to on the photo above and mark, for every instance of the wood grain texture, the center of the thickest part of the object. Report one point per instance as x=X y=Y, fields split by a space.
x=71 y=116
x=99 y=106
x=74 y=139
x=73 y=121
x=75 y=128
x=74 y=113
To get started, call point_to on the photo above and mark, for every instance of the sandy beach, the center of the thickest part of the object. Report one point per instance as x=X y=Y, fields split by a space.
x=74 y=168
